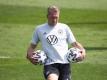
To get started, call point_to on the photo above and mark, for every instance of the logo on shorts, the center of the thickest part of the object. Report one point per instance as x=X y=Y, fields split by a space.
x=52 y=39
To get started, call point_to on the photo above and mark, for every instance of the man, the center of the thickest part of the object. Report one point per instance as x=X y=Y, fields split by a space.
x=54 y=37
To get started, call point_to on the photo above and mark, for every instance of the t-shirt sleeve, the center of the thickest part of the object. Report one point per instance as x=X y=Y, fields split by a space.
x=70 y=36
x=35 y=37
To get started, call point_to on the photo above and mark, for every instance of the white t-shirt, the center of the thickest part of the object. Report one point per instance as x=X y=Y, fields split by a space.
x=54 y=40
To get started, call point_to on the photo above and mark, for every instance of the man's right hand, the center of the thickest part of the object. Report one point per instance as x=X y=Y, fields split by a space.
x=30 y=53
x=32 y=60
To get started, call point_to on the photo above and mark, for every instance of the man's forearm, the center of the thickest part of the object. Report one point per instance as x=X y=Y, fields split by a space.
x=30 y=50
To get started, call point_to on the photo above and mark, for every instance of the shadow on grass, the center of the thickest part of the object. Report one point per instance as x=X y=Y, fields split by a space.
x=96 y=48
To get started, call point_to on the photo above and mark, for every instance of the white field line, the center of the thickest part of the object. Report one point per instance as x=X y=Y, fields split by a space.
x=4 y=57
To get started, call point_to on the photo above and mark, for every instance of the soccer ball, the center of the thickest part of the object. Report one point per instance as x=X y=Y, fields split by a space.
x=40 y=56
x=74 y=55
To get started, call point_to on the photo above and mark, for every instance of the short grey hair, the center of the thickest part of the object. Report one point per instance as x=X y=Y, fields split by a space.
x=53 y=7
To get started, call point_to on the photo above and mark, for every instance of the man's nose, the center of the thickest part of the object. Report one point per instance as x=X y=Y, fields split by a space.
x=54 y=15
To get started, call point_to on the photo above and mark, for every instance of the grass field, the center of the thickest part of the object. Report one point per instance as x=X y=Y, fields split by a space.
x=76 y=4
x=18 y=18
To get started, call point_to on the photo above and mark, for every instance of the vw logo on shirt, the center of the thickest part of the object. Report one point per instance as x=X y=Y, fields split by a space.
x=52 y=39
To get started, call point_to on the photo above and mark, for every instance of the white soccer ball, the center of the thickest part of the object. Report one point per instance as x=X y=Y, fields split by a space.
x=74 y=55
x=40 y=56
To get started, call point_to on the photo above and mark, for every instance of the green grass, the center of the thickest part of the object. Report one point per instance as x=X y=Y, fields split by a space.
x=37 y=15
x=89 y=71
x=76 y=4
x=18 y=20
x=19 y=69
x=91 y=35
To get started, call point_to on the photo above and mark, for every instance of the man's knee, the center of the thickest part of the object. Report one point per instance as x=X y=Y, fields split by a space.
x=52 y=77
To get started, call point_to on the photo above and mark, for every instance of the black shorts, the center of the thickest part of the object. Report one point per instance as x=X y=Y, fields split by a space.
x=62 y=70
